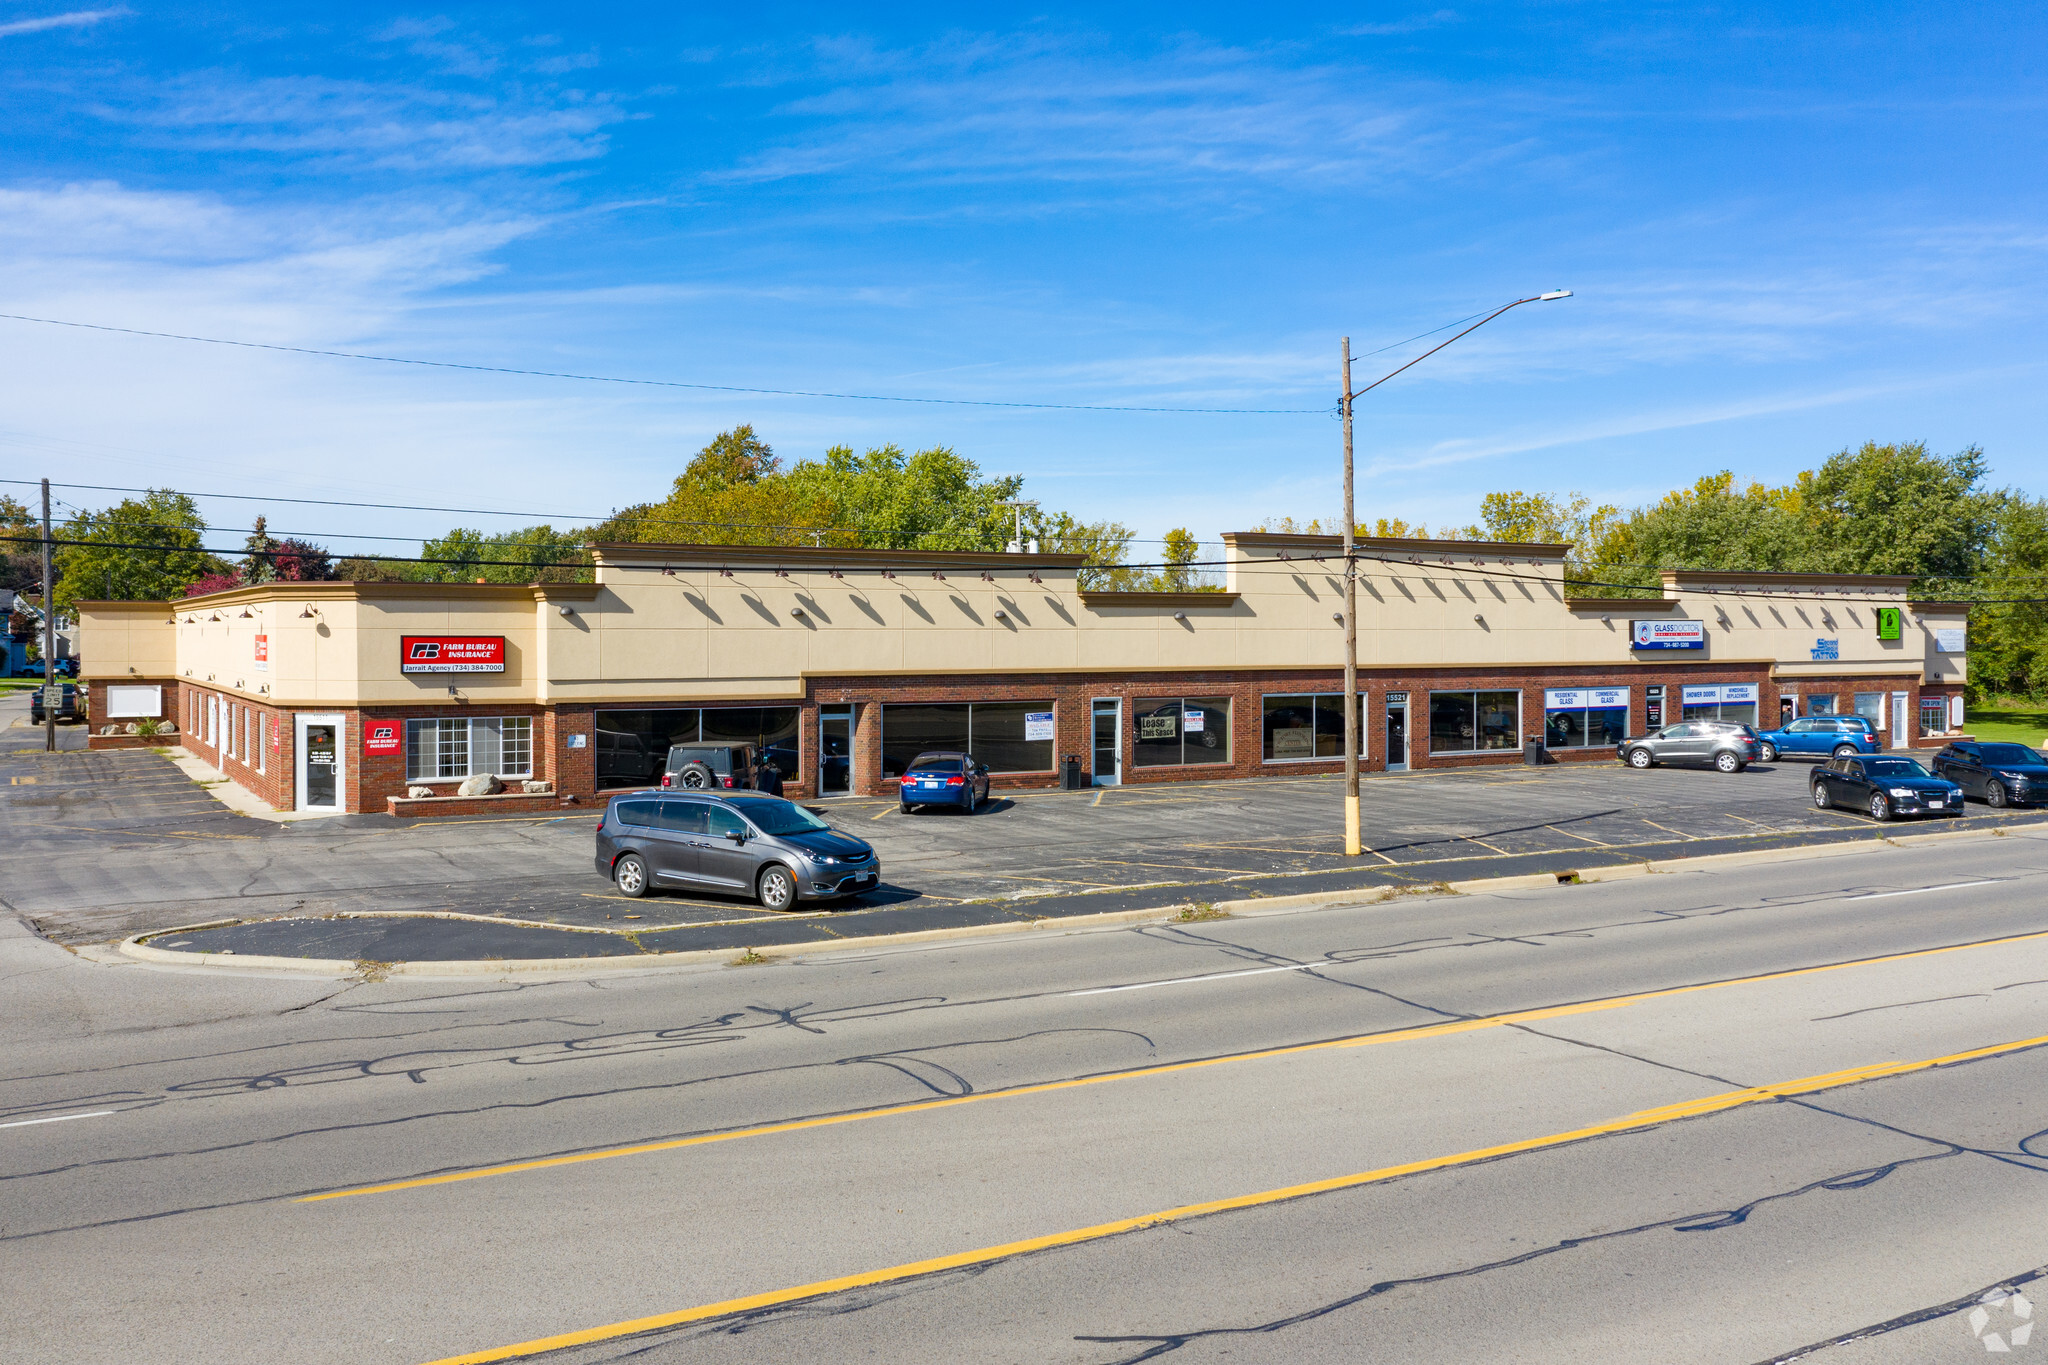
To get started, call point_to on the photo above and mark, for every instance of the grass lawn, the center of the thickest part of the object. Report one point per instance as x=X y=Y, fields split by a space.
x=2017 y=722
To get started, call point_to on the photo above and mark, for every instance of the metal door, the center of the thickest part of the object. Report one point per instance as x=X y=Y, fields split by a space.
x=1109 y=741
x=323 y=768
x=1397 y=732
x=674 y=842
x=835 y=750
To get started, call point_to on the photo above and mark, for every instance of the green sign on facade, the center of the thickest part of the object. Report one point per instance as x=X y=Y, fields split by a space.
x=1890 y=623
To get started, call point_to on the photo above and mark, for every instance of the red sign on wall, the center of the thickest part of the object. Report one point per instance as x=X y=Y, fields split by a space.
x=263 y=654
x=383 y=736
x=451 y=654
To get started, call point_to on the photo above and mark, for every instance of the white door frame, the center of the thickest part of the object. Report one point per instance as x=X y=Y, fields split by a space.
x=1114 y=779
x=1903 y=724
x=300 y=720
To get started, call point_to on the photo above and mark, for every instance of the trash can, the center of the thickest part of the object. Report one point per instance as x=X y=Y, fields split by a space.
x=1534 y=753
x=1070 y=774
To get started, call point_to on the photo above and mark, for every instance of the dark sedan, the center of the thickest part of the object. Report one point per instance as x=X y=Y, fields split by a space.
x=1885 y=787
x=2002 y=774
x=945 y=778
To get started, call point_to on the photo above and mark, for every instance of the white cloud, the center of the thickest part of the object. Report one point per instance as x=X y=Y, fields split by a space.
x=80 y=18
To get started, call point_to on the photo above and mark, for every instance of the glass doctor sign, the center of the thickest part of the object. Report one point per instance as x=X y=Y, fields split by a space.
x=1667 y=635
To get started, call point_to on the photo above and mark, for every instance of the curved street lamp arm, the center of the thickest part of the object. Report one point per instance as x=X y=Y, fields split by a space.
x=1434 y=349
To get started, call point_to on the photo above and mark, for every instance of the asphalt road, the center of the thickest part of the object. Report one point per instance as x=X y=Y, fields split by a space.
x=1686 y=1117
x=114 y=843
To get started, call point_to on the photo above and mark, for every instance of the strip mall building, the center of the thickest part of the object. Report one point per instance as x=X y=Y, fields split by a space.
x=842 y=665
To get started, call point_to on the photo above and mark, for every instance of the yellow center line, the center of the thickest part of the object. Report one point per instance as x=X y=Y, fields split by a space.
x=1417 y=1033
x=1642 y=1118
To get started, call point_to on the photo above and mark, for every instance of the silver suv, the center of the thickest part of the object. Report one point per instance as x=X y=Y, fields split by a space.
x=1726 y=745
x=747 y=844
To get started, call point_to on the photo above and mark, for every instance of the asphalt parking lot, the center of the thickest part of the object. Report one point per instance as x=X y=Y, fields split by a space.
x=103 y=845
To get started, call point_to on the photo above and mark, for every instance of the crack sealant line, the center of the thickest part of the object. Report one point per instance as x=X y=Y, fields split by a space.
x=1417 y=1033
x=1644 y=1118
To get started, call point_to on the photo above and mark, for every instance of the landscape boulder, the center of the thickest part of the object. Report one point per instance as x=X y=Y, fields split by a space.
x=483 y=784
x=532 y=788
x=417 y=792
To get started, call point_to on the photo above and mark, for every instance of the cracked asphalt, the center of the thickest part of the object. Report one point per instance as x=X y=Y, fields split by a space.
x=1744 y=1113
x=115 y=843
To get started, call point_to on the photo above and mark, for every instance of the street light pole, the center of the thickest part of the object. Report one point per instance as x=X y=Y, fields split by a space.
x=49 y=636
x=1352 y=720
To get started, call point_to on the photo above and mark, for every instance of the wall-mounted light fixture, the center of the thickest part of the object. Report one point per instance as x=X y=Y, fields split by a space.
x=309 y=612
x=987 y=577
x=797 y=612
x=1338 y=617
x=1180 y=616
x=888 y=573
x=936 y=574
x=668 y=573
x=246 y=613
x=568 y=610
x=781 y=572
x=835 y=573
x=1002 y=615
x=725 y=573
x=1478 y=619
x=1036 y=579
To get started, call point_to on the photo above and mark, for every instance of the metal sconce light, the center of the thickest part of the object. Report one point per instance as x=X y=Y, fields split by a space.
x=568 y=610
x=797 y=612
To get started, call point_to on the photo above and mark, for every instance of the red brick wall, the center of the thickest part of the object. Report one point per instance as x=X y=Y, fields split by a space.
x=275 y=784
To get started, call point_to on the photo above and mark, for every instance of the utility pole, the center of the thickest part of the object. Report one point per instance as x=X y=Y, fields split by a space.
x=1352 y=846
x=49 y=636
x=1352 y=719
x=1017 y=520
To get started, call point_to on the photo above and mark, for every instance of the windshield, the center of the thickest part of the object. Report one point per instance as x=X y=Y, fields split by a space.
x=934 y=760
x=2010 y=753
x=1894 y=767
x=773 y=815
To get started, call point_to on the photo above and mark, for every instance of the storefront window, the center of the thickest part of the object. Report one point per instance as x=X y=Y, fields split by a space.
x=1820 y=706
x=1585 y=717
x=468 y=746
x=1933 y=716
x=632 y=746
x=1308 y=725
x=1870 y=706
x=1725 y=702
x=1472 y=722
x=1174 y=731
x=996 y=733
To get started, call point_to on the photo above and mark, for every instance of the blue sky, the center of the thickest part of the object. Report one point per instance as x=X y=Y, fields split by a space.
x=1790 y=229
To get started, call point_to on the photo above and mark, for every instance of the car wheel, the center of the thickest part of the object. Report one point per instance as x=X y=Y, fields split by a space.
x=777 y=888
x=1638 y=758
x=1880 y=808
x=1994 y=795
x=694 y=777
x=629 y=874
x=1727 y=762
x=907 y=808
x=1845 y=751
x=1767 y=752
x=1821 y=799
x=971 y=802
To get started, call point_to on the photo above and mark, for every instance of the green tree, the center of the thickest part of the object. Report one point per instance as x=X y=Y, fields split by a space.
x=1712 y=525
x=146 y=549
x=21 y=562
x=936 y=499
x=1180 y=550
x=1106 y=544
x=532 y=554
x=2009 y=639
x=1899 y=509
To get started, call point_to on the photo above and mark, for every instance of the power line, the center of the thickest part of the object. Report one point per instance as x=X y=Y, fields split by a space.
x=1009 y=564
x=651 y=383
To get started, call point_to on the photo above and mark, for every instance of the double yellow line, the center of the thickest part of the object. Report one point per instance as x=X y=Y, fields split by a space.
x=1166 y=1069
x=1645 y=1118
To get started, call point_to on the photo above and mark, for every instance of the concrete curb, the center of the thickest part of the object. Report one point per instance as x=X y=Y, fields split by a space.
x=138 y=950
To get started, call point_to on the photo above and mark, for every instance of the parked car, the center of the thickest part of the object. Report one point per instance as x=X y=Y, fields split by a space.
x=944 y=778
x=1884 y=786
x=707 y=767
x=1723 y=744
x=67 y=705
x=2003 y=774
x=747 y=844
x=1835 y=736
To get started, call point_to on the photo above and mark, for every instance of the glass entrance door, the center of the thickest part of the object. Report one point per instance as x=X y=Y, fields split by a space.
x=835 y=750
x=1109 y=745
x=1397 y=732
x=322 y=773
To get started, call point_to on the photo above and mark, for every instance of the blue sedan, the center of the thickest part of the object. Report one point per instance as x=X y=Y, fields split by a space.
x=1820 y=737
x=945 y=778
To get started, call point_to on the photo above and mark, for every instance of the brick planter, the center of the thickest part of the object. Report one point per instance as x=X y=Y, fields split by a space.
x=131 y=741
x=504 y=803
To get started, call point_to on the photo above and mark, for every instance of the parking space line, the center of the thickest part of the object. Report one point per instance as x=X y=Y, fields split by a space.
x=1597 y=843
x=1690 y=838
x=1483 y=844
x=1640 y=1119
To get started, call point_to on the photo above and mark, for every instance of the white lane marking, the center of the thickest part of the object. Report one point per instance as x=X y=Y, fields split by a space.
x=1952 y=886
x=1214 y=976
x=60 y=1118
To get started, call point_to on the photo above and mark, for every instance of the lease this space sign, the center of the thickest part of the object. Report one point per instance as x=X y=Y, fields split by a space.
x=451 y=654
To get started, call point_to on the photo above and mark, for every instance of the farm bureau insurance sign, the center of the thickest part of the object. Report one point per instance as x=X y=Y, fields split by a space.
x=451 y=654
x=1667 y=634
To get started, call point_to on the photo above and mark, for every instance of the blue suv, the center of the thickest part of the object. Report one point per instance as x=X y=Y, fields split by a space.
x=1820 y=737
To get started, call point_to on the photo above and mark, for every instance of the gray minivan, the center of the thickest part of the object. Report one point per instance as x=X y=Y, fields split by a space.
x=744 y=843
